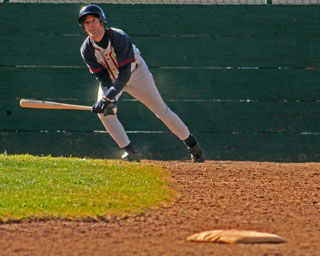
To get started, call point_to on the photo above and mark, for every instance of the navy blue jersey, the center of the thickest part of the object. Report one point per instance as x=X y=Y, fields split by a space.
x=109 y=60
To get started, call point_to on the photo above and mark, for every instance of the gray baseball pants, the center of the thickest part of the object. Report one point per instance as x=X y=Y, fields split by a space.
x=142 y=87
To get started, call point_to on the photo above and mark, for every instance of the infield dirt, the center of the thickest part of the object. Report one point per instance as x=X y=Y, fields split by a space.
x=279 y=198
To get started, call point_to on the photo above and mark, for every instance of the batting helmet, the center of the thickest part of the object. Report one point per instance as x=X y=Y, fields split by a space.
x=94 y=10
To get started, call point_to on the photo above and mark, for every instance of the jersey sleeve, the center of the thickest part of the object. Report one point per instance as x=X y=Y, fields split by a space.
x=87 y=54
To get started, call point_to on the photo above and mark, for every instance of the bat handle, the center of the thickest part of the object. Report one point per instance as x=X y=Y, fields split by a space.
x=110 y=111
x=114 y=107
x=115 y=110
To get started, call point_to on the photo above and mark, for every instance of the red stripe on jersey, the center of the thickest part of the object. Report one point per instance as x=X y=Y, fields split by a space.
x=113 y=60
x=126 y=61
x=96 y=69
x=110 y=34
x=110 y=71
x=115 y=63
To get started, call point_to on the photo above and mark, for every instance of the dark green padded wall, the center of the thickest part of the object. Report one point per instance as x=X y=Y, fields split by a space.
x=244 y=78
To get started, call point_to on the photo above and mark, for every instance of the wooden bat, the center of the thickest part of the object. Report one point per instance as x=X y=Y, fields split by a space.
x=25 y=103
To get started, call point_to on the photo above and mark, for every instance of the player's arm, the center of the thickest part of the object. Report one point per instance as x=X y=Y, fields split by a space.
x=108 y=104
x=119 y=83
x=101 y=74
x=125 y=56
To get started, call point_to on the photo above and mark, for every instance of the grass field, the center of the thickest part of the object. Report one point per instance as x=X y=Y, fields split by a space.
x=72 y=188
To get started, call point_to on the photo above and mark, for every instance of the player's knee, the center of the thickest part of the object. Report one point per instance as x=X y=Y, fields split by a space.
x=164 y=113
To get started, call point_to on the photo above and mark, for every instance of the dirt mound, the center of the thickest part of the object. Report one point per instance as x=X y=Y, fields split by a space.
x=278 y=198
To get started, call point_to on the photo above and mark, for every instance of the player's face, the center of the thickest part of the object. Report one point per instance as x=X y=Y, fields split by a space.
x=94 y=28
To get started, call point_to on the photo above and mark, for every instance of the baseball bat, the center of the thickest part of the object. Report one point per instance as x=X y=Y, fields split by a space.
x=25 y=103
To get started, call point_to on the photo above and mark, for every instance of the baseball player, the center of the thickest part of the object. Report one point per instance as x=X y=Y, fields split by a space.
x=118 y=66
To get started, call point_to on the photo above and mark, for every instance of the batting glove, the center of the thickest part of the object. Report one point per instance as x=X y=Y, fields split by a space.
x=105 y=107
x=99 y=106
x=111 y=109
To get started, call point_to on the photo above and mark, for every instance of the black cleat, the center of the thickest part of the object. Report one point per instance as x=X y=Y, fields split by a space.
x=196 y=154
x=130 y=156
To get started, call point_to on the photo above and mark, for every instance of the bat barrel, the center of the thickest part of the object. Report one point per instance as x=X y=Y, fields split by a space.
x=25 y=103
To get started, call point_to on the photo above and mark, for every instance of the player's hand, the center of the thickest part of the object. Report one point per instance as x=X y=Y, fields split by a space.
x=99 y=106
x=105 y=107
x=111 y=109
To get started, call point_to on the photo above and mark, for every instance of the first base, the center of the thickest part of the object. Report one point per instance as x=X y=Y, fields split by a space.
x=235 y=236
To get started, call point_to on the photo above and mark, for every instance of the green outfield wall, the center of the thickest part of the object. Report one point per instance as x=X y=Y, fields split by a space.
x=244 y=78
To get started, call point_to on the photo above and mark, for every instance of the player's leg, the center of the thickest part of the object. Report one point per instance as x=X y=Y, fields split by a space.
x=142 y=87
x=118 y=134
